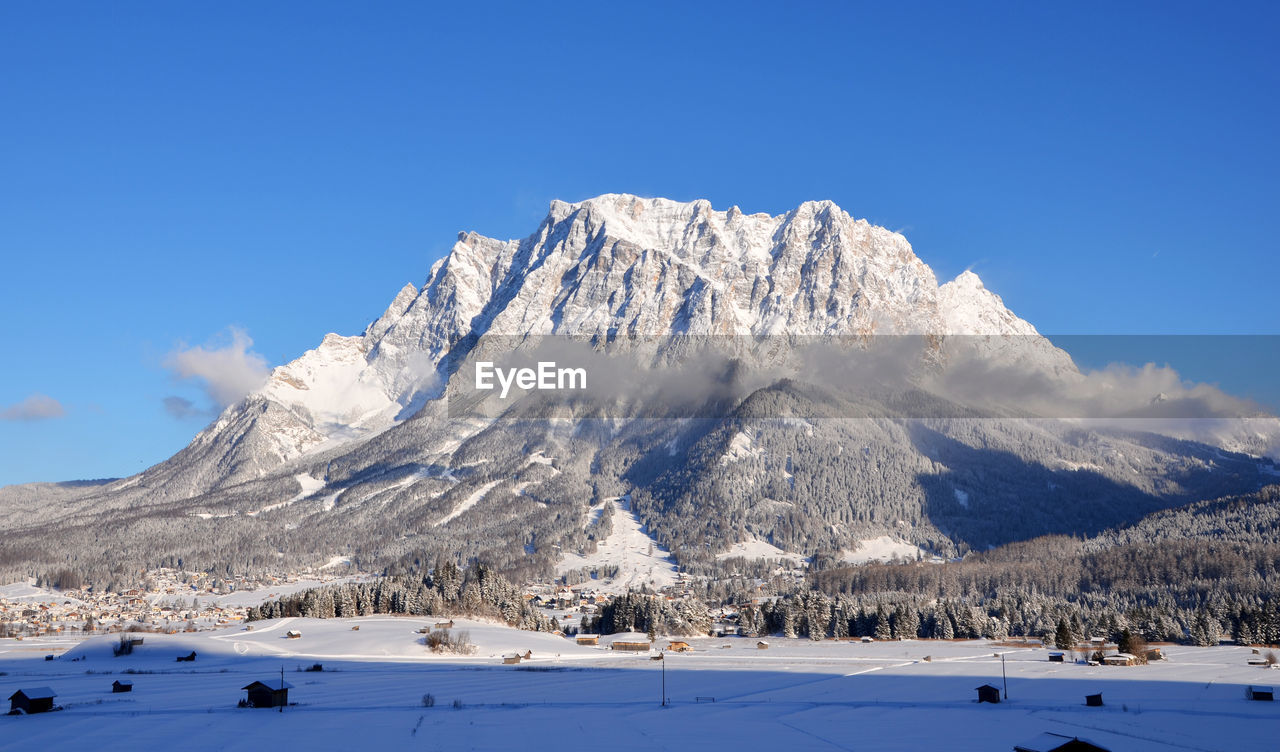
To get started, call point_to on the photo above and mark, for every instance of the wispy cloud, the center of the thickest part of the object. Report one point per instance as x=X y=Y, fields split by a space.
x=183 y=408
x=35 y=407
x=226 y=373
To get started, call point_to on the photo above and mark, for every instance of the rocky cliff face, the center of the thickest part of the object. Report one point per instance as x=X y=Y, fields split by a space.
x=619 y=264
x=351 y=448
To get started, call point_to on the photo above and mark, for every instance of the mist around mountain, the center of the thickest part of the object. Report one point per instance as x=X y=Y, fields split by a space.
x=800 y=380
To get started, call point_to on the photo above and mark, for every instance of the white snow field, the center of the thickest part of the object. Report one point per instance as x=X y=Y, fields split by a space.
x=795 y=695
x=640 y=559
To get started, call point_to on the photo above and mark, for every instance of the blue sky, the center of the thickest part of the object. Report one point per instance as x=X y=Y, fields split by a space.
x=169 y=171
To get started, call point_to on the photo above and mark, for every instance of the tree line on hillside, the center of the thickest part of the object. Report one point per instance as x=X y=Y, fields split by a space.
x=1193 y=589
x=447 y=590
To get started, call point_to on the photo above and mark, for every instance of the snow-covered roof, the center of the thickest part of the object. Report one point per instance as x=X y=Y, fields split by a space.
x=35 y=693
x=1048 y=741
x=274 y=685
x=627 y=637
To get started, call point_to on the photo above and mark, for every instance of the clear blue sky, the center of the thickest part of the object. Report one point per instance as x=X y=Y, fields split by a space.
x=168 y=170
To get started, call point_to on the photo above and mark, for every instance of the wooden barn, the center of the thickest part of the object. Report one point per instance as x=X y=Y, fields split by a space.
x=1049 y=742
x=988 y=693
x=679 y=646
x=292 y=634
x=762 y=645
x=1120 y=659
x=634 y=641
x=511 y=658
x=1264 y=694
x=121 y=686
x=33 y=700
x=587 y=639
x=1093 y=701
x=1057 y=657
x=273 y=693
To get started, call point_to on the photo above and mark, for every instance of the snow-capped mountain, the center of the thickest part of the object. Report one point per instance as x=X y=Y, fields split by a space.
x=351 y=448
x=618 y=263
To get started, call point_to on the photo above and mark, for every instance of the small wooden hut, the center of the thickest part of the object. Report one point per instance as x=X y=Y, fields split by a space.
x=32 y=700
x=272 y=693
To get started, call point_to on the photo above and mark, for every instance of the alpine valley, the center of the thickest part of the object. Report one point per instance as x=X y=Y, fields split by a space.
x=353 y=450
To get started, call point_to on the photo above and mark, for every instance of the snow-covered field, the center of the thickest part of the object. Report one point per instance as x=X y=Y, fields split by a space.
x=883 y=548
x=796 y=695
x=755 y=548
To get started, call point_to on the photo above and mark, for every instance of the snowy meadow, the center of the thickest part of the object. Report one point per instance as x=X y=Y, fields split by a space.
x=379 y=687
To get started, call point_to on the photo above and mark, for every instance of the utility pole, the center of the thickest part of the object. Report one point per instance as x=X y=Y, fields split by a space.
x=663 y=657
x=281 y=685
x=1005 y=676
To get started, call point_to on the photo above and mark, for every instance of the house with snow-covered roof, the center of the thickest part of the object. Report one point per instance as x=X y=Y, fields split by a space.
x=31 y=700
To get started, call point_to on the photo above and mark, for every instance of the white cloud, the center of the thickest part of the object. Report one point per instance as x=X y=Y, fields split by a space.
x=34 y=407
x=226 y=373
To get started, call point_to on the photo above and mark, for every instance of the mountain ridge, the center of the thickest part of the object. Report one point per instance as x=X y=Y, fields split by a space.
x=354 y=450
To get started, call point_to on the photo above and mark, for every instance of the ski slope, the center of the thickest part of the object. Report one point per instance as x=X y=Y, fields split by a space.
x=640 y=559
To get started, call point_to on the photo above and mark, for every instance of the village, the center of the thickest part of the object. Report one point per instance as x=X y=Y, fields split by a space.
x=184 y=645
x=170 y=601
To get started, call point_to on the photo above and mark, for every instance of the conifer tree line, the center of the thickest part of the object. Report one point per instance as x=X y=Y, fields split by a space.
x=888 y=616
x=1191 y=590
x=446 y=590
x=652 y=614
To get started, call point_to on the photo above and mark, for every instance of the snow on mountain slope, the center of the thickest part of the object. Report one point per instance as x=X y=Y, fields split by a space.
x=468 y=502
x=883 y=548
x=334 y=386
x=365 y=418
x=614 y=264
x=639 y=558
x=758 y=549
x=968 y=307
